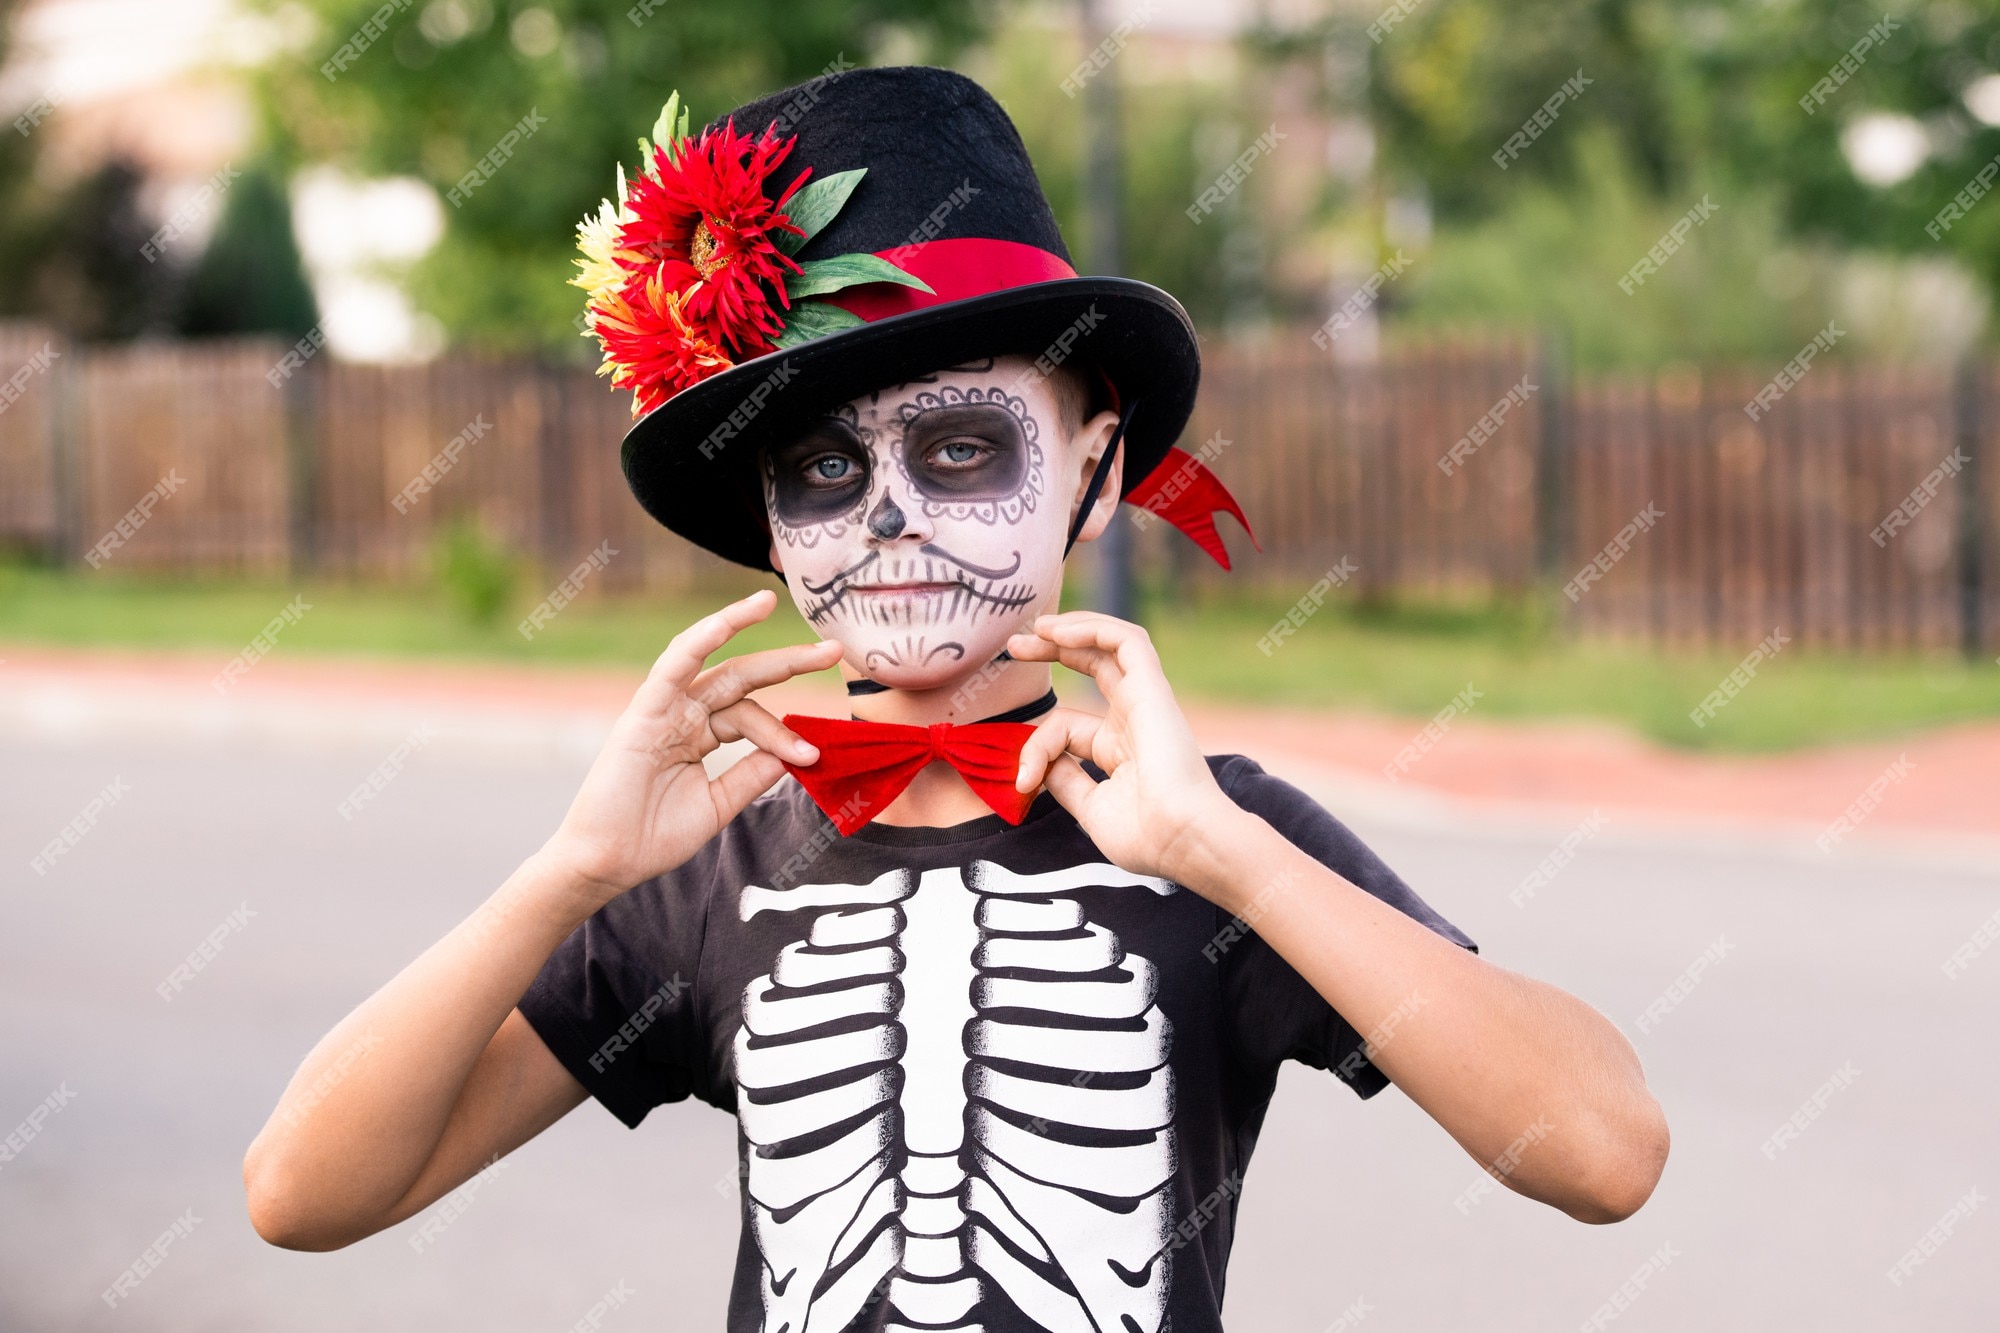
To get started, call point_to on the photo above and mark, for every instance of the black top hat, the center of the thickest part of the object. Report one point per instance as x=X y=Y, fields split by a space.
x=951 y=198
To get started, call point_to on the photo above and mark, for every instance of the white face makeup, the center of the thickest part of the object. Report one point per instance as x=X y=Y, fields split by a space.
x=924 y=523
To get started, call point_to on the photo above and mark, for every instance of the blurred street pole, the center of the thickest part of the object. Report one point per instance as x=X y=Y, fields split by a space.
x=1103 y=228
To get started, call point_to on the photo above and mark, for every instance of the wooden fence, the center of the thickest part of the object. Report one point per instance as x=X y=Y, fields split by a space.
x=1706 y=525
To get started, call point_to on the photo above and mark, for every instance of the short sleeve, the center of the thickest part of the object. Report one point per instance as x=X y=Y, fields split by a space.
x=1273 y=1013
x=615 y=1002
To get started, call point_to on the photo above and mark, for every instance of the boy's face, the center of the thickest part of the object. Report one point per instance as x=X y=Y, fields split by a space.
x=923 y=523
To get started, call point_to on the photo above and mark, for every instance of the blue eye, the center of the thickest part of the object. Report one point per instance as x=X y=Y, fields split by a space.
x=831 y=467
x=959 y=451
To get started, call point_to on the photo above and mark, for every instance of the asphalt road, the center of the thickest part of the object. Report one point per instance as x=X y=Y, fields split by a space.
x=1827 y=978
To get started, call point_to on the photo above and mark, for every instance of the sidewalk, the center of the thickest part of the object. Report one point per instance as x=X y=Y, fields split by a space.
x=1548 y=774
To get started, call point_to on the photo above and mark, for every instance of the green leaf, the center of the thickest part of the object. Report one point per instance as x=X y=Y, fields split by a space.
x=815 y=205
x=816 y=277
x=671 y=127
x=815 y=319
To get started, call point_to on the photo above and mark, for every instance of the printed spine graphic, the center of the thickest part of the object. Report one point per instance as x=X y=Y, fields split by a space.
x=956 y=1097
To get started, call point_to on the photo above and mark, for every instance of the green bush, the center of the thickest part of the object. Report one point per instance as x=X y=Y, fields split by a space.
x=476 y=572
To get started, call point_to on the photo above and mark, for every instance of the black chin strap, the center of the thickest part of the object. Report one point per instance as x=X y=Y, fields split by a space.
x=857 y=688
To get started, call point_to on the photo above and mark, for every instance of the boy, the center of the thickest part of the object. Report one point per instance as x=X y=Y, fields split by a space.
x=998 y=1007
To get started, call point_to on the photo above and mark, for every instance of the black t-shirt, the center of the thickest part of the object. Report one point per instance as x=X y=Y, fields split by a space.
x=982 y=1077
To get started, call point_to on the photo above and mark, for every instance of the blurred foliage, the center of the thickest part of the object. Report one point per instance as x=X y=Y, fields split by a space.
x=477 y=573
x=250 y=278
x=446 y=78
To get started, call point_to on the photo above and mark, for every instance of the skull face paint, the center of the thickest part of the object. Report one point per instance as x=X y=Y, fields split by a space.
x=921 y=524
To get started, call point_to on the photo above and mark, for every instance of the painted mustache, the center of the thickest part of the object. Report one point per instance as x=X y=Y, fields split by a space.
x=980 y=587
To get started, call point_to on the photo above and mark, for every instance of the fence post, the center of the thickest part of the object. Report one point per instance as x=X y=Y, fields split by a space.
x=66 y=459
x=1969 y=423
x=302 y=424
x=1553 y=489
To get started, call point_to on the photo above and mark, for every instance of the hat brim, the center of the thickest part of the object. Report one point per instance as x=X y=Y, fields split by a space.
x=690 y=461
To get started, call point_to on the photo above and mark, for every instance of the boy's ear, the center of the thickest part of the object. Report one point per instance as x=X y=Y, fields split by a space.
x=1086 y=447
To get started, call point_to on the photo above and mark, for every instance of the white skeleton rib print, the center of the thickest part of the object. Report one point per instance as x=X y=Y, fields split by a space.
x=955 y=1089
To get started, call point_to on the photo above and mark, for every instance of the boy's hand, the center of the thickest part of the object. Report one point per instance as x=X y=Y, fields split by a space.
x=1158 y=795
x=647 y=804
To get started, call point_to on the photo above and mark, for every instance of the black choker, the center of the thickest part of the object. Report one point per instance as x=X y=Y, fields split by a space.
x=1033 y=708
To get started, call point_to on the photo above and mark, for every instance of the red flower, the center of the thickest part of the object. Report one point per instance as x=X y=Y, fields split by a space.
x=701 y=226
x=651 y=346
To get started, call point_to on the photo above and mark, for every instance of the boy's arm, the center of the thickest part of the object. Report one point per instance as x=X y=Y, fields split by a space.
x=437 y=1073
x=1533 y=1083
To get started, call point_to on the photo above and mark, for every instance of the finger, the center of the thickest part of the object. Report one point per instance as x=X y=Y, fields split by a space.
x=743 y=782
x=1130 y=646
x=689 y=649
x=1064 y=730
x=1070 y=785
x=748 y=720
x=1096 y=663
x=726 y=682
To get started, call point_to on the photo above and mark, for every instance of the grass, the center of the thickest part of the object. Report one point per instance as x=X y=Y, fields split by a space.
x=1409 y=660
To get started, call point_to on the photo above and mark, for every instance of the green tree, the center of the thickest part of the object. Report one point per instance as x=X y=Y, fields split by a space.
x=433 y=91
x=249 y=278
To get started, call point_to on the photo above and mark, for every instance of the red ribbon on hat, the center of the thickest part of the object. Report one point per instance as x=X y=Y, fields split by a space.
x=865 y=765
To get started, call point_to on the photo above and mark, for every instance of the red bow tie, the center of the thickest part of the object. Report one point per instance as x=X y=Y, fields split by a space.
x=865 y=765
